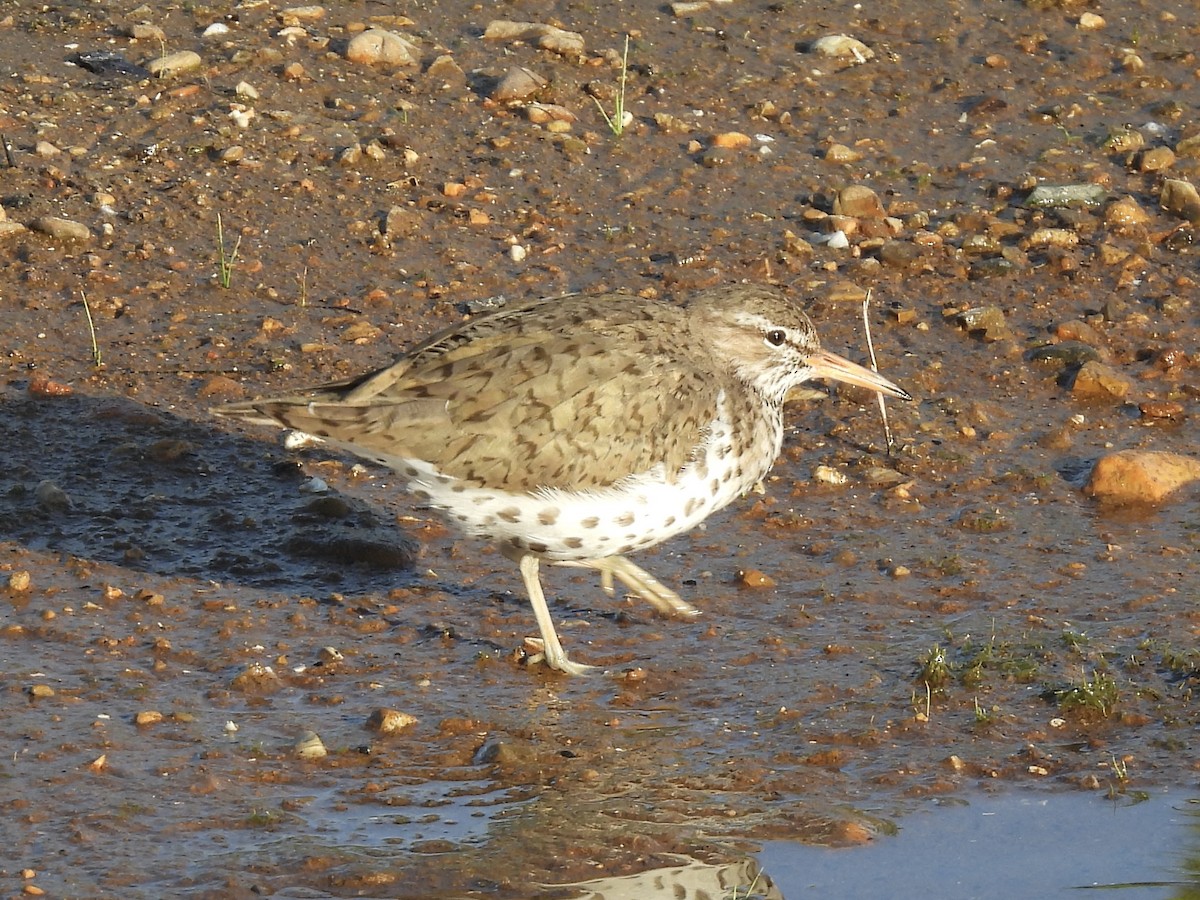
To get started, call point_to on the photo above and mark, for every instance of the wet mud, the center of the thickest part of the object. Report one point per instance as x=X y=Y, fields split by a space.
x=198 y=624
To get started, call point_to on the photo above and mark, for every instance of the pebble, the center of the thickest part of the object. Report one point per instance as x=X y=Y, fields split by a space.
x=900 y=254
x=732 y=140
x=379 y=46
x=19 y=581
x=829 y=475
x=51 y=497
x=257 y=679
x=1096 y=380
x=1129 y=477
x=446 y=70
x=545 y=113
x=545 y=37
x=1162 y=409
x=144 y=31
x=174 y=63
x=43 y=386
x=11 y=229
x=992 y=267
x=1156 y=159
x=295 y=15
x=1189 y=147
x=310 y=746
x=388 y=721
x=1180 y=197
x=1067 y=196
x=842 y=46
x=61 y=229
x=517 y=83
x=988 y=322
x=859 y=202
x=1054 y=237
x=717 y=157
x=147 y=717
x=1124 y=213
x=1124 y=140
x=1065 y=353
x=755 y=579
x=842 y=155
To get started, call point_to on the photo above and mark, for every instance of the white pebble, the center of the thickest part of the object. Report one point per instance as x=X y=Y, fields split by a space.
x=829 y=475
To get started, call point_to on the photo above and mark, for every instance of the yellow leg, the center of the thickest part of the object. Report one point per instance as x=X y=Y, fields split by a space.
x=555 y=655
x=641 y=582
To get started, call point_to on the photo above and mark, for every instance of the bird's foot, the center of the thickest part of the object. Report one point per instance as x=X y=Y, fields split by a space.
x=535 y=652
x=641 y=582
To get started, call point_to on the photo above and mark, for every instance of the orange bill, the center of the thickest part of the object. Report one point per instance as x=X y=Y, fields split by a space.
x=836 y=368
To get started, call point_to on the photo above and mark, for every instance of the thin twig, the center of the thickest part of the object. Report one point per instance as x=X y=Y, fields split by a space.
x=887 y=429
x=8 y=156
x=87 y=311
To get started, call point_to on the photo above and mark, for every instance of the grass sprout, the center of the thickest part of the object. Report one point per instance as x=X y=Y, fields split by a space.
x=226 y=260
x=617 y=121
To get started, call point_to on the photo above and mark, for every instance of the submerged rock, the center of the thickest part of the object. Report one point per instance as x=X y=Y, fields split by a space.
x=1066 y=196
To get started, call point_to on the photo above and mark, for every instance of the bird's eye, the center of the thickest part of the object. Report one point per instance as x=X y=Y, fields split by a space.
x=776 y=337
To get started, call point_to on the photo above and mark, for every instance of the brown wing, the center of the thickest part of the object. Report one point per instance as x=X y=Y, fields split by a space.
x=577 y=396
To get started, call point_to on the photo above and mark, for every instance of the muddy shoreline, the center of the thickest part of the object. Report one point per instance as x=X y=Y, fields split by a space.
x=953 y=616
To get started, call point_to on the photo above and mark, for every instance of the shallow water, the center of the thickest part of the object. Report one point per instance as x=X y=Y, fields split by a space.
x=1013 y=845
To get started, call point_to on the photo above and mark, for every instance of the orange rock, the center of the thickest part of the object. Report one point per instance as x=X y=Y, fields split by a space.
x=755 y=579
x=1140 y=476
x=41 y=386
x=732 y=140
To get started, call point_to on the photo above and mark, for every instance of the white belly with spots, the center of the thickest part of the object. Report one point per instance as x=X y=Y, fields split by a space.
x=637 y=512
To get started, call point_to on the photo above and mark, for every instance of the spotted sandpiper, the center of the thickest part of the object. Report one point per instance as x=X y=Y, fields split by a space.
x=579 y=429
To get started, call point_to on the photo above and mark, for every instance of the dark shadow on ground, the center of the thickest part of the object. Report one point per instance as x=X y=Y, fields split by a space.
x=115 y=481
